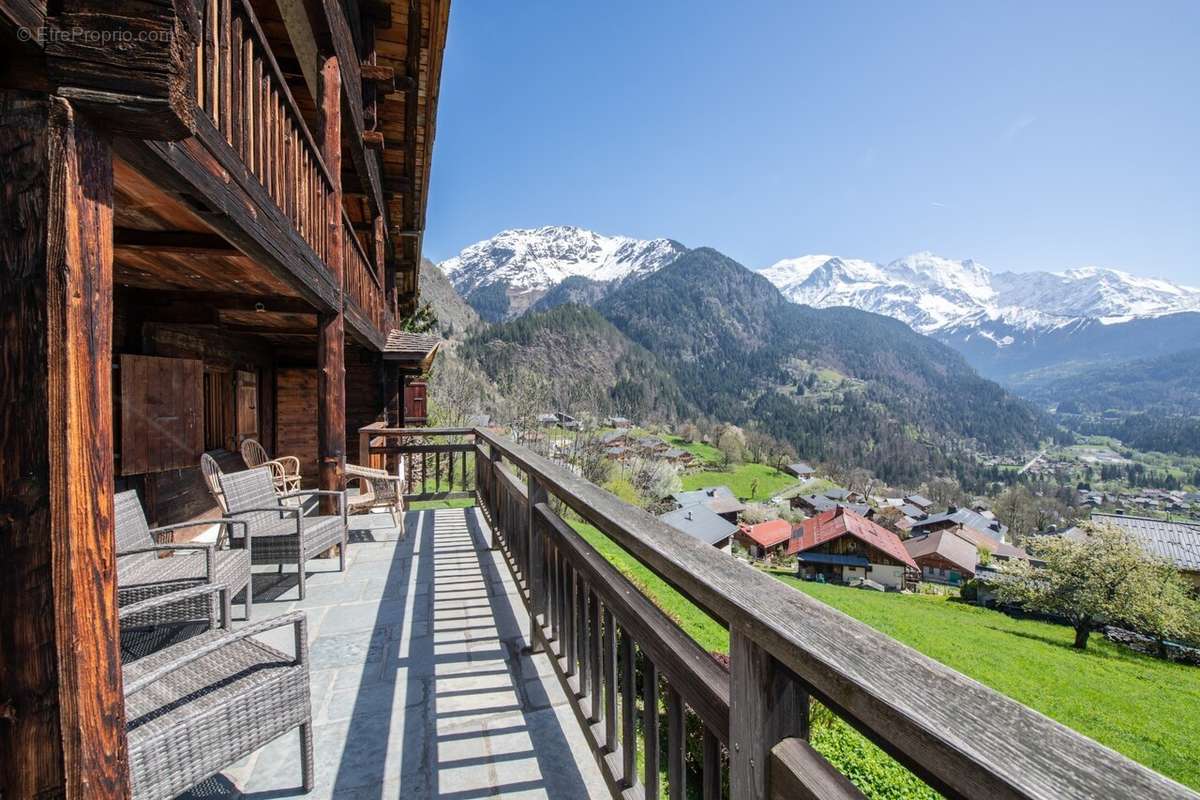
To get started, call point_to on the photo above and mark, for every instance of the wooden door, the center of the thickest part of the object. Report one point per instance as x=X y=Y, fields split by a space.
x=246 y=408
x=161 y=407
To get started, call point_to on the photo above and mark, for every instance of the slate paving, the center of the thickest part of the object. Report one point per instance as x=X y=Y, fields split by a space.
x=420 y=688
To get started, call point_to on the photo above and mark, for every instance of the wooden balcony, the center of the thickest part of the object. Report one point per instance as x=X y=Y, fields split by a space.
x=631 y=674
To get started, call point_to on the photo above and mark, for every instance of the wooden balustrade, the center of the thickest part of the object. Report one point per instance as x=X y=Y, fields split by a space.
x=438 y=463
x=241 y=89
x=638 y=684
x=362 y=283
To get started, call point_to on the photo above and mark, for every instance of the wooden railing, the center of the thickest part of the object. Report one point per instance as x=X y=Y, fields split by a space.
x=240 y=87
x=625 y=665
x=362 y=282
x=437 y=463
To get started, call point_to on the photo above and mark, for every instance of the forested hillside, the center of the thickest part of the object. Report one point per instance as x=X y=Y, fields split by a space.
x=1163 y=384
x=589 y=365
x=840 y=384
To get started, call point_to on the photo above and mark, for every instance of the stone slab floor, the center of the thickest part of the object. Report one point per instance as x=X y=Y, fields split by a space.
x=419 y=685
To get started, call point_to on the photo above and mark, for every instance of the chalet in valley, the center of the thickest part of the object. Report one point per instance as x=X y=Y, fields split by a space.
x=766 y=538
x=841 y=546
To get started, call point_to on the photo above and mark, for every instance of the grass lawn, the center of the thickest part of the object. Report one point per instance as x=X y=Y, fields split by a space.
x=1142 y=707
x=705 y=452
x=740 y=479
x=423 y=505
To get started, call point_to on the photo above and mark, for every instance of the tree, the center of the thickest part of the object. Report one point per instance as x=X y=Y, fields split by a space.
x=759 y=445
x=1165 y=608
x=1098 y=577
x=423 y=320
x=730 y=445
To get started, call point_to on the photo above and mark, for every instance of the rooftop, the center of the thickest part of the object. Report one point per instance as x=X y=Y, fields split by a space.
x=1178 y=542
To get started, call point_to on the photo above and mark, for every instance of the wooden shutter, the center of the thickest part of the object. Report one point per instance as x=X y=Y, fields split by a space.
x=247 y=406
x=161 y=413
x=415 y=399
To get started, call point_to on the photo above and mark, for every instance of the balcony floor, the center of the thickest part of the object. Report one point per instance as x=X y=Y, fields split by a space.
x=419 y=685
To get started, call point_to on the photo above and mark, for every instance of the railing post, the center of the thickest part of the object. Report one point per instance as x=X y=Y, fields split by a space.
x=533 y=560
x=767 y=704
x=494 y=457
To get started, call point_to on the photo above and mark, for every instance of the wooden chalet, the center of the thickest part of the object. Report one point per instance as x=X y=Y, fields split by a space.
x=211 y=232
x=840 y=546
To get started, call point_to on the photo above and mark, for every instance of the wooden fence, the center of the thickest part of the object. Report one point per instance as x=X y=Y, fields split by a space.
x=362 y=282
x=623 y=663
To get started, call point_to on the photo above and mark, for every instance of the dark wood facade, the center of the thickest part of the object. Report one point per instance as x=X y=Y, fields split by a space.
x=208 y=234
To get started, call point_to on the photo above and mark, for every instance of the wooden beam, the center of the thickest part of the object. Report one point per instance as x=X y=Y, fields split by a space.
x=136 y=75
x=220 y=301
x=62 y=719
x=331 y=338
x=378 y=73
x=366 y=163
x=182 y=242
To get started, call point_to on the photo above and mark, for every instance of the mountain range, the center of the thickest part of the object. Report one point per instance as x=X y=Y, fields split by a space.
x=1008 y=325
x=704 y=337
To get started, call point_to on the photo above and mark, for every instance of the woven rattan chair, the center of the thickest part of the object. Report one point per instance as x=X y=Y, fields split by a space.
x=142 y=572
x=285 y=470
x=282 y=533
x=376 y=489
x=196 y=707
x=211 y=471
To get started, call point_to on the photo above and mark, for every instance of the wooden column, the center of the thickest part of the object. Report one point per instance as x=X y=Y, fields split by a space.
x=331 y=336
x=535 y=493
x=393 y=405
x=62 y=719
x=766 y=705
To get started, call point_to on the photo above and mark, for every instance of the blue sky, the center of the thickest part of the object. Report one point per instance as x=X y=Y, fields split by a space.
x=1026 y=137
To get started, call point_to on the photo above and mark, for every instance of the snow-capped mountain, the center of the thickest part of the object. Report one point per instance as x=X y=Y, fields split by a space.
x=984 y=313
x=932 y=293
x=509 y=272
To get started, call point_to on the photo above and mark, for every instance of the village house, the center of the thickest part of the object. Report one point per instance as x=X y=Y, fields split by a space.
x=923 y=503
x=701 y=522
x=678 y=456
x=613 y=438
x=719 y=499
x=1176 y=542
x=955 y=517
x=651 y=445
x=766 y=538
x=617 y=422
x=944 y=556
x=841 y=546
x=800 y=469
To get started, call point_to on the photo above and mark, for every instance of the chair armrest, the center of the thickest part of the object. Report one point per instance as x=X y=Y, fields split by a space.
x=196 y=523
x=289 y=510
x=340 y=494
x=285 y=461
x=154 y=548
x=295 y=618
x=177 y=596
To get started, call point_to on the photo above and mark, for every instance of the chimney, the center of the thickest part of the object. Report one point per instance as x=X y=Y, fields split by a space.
x=688 y=516
x=951 y=509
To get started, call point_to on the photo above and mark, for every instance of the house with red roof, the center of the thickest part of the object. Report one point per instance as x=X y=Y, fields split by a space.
x=841 y=546
x=766 y=538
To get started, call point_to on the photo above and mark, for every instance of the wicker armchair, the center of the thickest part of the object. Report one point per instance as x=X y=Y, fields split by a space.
x=194 y=708
x=142 y=572
x=211 y=471
x=282 y=534
x=285 y=470
x=376 y=489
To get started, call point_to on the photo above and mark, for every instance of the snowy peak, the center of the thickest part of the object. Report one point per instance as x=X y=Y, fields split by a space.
x=934 y=294
x=536 y=259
